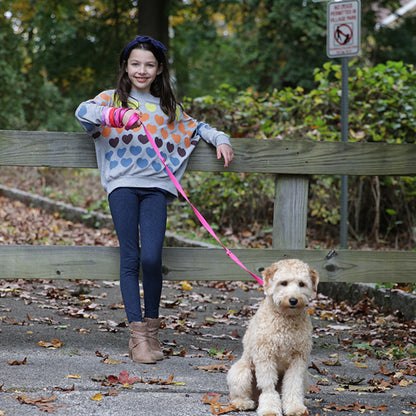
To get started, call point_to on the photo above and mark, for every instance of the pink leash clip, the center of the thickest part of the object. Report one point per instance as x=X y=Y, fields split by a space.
x=200 y=217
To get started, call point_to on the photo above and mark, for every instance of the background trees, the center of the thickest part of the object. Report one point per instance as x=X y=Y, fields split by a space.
x=259 y=68
x=69 y=49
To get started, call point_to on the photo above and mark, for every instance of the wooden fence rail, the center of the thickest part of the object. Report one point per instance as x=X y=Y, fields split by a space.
x=291 y=161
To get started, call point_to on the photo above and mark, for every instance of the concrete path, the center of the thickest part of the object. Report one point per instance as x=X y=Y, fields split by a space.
x=84 y=372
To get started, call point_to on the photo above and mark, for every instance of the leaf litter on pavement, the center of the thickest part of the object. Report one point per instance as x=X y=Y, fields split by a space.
x=209 y=313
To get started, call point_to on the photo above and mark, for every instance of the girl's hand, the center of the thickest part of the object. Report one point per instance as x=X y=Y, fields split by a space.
x=225 y=151
x=126 y=118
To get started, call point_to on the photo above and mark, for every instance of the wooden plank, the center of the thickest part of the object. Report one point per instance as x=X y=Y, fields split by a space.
x=52 y=149
x=59 y=149
x=87 y=262
x=290 y=212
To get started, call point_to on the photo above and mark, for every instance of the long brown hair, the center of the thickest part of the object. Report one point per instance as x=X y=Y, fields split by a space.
x=161 y=85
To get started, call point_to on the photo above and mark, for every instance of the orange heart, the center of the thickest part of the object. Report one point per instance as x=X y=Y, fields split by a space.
x=187 y=141
x=152 y=129
x=105 y=97
x=171 y=126
x=106 y=131
x=177 y=138
x=165 y=133
x=191 y=124
x=181 y=127
x=159 y=119
x=144 y=117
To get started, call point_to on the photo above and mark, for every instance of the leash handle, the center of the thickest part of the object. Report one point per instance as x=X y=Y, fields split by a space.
x=200 y=217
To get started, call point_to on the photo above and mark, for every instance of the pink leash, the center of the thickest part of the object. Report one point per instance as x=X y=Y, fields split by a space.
x=197 y=213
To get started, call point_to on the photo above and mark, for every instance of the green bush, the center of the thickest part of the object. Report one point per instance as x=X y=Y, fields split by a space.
x=382 y=107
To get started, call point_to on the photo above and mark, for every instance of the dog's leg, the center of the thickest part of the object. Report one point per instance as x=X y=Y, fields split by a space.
x=240 y=382
x=269 y=400
x=293 y=389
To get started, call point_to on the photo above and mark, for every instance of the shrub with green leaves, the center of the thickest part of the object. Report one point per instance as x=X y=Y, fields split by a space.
x=382 y=108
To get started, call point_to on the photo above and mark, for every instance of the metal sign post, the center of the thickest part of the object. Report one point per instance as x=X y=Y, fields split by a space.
x=343 y=41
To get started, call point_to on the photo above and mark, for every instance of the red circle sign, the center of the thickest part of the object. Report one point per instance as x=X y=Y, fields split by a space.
x=343 y=34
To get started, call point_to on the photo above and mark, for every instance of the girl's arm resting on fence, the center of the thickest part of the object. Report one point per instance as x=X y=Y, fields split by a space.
x=218 y=139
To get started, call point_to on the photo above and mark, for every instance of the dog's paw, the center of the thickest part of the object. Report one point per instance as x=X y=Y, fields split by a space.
x=297 y=410
x=244 y=404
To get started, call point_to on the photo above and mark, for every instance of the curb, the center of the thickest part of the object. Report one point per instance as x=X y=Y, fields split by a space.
x=388 y=299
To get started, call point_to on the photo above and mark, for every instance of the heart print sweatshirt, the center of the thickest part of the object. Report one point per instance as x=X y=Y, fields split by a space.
x=126 y=158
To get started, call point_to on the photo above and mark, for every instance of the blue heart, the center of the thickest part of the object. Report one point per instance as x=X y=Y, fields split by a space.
x=113 y=164
x=142 y=163
x=174 y=161
x=126 y=162
x=150 y=152
x=88 y=127
x=108 y=155
x=82 y=111
x=156 y=166
x=120 y=152
x=135 y=150
x=164 y=155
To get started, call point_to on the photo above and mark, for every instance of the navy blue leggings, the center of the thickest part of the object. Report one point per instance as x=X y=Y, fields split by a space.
x=144 y=210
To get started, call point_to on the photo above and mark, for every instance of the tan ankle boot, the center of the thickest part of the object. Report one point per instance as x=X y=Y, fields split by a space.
x=153 y=325
x=139 y=347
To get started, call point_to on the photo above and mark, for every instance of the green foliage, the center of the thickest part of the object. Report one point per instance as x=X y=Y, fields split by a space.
x=382 y=108
x=382 y=102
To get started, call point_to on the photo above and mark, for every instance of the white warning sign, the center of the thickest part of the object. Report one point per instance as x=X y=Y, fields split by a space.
x=343 y=28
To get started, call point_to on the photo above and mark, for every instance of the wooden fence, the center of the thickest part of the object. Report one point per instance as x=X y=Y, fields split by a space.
x=291 y=161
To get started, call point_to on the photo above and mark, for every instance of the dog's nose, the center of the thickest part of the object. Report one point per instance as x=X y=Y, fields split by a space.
x=293 y=301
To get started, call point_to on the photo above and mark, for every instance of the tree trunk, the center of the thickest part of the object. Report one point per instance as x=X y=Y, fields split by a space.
x=154 y=20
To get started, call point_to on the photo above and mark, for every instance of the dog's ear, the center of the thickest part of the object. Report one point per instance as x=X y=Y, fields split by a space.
x=315 y=279
x=268 y=274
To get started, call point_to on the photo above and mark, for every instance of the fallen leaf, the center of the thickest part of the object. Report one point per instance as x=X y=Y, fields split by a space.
x=314 y=389
x=43 y=403
x=111 y=361
x=124 y=378
x=216 y=407
x=64 y=389
x=214 y=368
x=55 y=343
x=73 y=376
x=18 y=362
x=355 y=407
x=186 y=286
x=112 y=393
x=332 y=363
x=97 y=397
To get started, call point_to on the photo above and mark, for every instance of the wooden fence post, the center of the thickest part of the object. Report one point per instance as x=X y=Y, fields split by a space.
x=290 y=212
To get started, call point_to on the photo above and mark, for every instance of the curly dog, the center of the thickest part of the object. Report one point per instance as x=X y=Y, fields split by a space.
x=271 y=375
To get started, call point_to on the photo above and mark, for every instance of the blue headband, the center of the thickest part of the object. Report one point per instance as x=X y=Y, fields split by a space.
x=143 y=39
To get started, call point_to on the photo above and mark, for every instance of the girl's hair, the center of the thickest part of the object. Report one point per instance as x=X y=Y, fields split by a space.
x=161 y=85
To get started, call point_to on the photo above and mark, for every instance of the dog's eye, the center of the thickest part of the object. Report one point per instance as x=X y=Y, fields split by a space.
x=284 y=283
x=302 y=284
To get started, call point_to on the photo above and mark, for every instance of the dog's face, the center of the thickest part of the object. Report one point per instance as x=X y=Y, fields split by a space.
x=291 y=284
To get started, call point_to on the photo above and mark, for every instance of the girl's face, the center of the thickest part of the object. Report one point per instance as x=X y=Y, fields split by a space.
x=142 y=69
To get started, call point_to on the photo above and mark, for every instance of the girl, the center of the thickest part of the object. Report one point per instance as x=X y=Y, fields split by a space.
x=137 y=184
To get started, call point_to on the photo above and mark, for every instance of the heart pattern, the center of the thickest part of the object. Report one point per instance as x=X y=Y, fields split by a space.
x=170 y=146
x=133 y=148
x=114 y=142
x=121 y=152
x=126 y=162
x=127 y=138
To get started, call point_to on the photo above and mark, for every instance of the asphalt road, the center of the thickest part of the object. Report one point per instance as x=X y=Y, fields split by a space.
x=86 y=370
